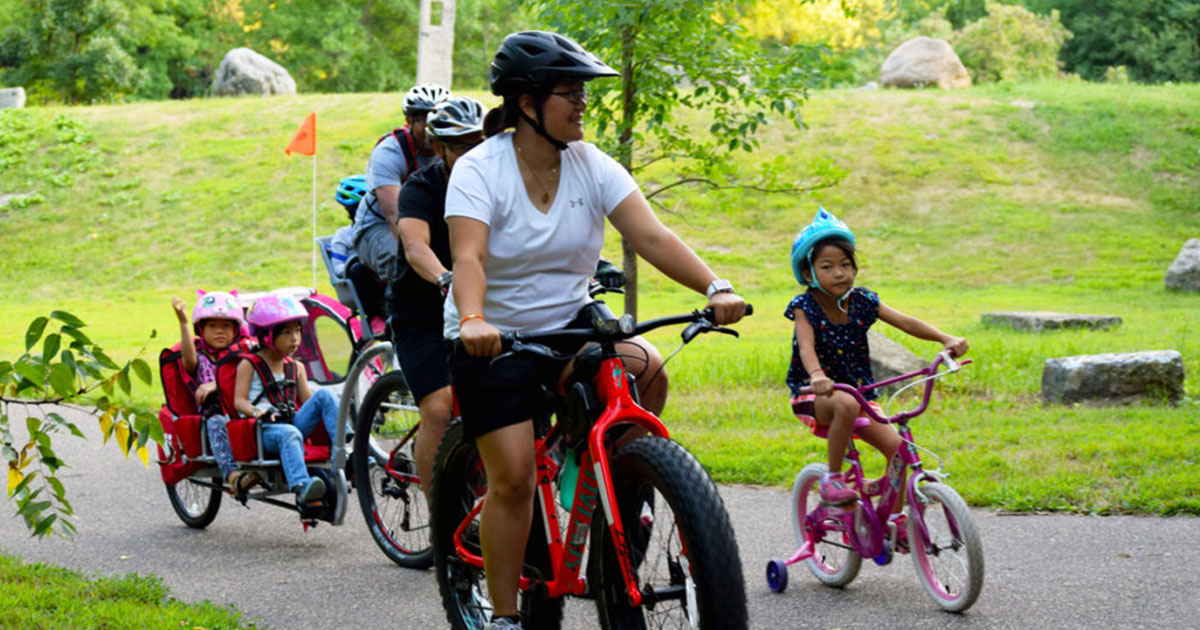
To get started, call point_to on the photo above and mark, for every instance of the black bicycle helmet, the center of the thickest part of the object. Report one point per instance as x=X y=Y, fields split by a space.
x=533 y=61
x=458 y=116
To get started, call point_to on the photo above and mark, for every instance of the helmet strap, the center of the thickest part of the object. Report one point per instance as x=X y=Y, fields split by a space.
x=541 y=129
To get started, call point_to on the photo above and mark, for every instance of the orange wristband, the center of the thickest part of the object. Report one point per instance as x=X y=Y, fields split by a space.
x=478 y=316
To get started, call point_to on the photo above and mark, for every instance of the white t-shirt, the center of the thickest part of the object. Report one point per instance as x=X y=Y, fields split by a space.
x=538 y=263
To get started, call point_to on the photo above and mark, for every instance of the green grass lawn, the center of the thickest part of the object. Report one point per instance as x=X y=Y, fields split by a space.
x=42 y=596
x=1058 y=196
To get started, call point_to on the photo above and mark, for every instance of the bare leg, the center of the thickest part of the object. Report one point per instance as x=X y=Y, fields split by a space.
x=838 y=412
x=886 y=441
x=507 y=510
x=435 y=412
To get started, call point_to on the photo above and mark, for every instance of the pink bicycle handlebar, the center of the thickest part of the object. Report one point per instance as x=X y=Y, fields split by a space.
x=931 y=371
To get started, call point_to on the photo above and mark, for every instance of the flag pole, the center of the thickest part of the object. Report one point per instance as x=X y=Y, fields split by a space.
x=314 y=222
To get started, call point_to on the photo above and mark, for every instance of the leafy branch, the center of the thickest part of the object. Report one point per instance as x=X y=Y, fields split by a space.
x=62 y=366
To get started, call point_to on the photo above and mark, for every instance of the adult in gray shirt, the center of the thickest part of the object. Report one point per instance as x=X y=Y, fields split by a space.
x=397 y=155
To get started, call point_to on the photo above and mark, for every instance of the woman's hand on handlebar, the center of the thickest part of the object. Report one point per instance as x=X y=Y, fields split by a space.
x=727 y=308
x=479 y=338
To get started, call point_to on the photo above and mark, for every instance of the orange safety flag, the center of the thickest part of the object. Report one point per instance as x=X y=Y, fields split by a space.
x=305 y=142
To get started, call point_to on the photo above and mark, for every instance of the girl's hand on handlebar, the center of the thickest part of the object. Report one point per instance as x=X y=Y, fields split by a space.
x=822 y=385
x=956 y=346
x=479 y=338
x=727 y=308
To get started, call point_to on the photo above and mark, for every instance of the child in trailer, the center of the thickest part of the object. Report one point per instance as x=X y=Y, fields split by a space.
x=217 y=322
x=829 y=346
x=271 y=386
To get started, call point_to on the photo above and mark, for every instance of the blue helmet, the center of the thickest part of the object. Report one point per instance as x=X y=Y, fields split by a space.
x=824 y=225
x=350 y=191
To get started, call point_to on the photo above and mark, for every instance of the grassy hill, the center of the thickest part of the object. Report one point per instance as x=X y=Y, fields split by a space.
x=1060 y=196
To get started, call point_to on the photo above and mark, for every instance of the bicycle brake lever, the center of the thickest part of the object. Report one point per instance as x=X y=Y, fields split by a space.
x=723 y=330
x=693 y=329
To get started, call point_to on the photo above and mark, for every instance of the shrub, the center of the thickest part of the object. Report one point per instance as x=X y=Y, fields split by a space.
x=1011 y=44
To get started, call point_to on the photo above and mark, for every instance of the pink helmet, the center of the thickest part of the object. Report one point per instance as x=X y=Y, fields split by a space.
x=271 y=310
x=217 y=305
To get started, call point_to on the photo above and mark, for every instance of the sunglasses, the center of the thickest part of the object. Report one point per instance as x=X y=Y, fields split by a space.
x=578 y=97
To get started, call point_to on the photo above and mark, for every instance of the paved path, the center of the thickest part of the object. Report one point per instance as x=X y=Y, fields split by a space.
x=1042 y=571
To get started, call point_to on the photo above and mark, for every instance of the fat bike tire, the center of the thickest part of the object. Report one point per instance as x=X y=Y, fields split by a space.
x=681 y=541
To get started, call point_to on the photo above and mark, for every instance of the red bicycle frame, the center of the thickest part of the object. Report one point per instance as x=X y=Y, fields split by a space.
x=594 y=482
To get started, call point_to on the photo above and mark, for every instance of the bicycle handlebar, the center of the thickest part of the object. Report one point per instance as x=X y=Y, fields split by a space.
x=931 y=373
x=606 y=328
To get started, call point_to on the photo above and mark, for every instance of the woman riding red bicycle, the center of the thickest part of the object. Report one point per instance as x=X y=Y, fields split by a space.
x=526 y=212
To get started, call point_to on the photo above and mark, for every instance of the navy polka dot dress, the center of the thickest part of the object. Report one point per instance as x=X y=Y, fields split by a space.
x=841 y=348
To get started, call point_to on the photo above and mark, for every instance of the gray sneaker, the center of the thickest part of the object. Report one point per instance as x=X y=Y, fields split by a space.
x=503 y=624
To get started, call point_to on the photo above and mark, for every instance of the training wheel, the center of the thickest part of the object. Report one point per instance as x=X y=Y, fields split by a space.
x=777 y=575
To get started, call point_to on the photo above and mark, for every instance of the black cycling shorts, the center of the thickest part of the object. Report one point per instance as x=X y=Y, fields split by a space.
x=421 y=351
x=513 y=390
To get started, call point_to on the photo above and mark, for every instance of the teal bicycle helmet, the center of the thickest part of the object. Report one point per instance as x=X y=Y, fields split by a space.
x=350 y=191
x=824 y=225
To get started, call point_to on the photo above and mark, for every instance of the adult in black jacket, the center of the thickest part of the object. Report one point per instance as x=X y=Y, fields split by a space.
x=423 y=273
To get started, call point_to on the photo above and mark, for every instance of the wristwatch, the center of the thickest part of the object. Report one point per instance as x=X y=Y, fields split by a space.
x=720 y=285
x=444 y=280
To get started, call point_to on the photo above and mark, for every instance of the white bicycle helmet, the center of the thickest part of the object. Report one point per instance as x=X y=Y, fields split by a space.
x=423 y=98
x=455 y=117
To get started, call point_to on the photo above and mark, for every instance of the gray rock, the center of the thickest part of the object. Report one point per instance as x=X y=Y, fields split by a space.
x=923 y=61
x=1037 y=321
x=1113 y=378
x=12 y=98
x=244 y=71
x=1184 y=273
x=889 y=358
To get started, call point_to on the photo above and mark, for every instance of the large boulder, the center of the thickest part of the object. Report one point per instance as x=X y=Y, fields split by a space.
x=889 y=358
x=1184 y=273
x=244 y=71
x=923 y=61
x=12 y=98
x=1037 y=321
x=1113 y=378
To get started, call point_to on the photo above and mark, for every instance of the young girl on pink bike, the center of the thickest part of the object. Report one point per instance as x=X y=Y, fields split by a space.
x=830 y=346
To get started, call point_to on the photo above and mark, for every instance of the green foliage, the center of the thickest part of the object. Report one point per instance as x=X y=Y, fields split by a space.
x=68 y=50
x=663 y=46
x=1011 y=44
x=105 y=50
x=61 y=365
x=1157 y=40
x=43 y=596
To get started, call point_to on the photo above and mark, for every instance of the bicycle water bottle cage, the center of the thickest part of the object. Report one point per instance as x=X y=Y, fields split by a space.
x=579 y=409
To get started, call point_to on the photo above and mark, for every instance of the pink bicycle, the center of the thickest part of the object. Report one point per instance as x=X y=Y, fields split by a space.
x=940 y=535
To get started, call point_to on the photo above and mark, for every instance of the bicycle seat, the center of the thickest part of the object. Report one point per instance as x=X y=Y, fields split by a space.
x=802 y=406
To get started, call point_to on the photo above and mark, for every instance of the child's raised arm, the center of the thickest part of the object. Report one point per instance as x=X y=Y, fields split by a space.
x=187 y=347
x=956 y=345
x=822 y=385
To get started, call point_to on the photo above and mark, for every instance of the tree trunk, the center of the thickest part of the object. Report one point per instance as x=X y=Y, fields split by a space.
x=629 y=259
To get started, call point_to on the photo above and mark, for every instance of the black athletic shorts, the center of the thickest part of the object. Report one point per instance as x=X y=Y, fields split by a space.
x=421 y=350
x=512 y=390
